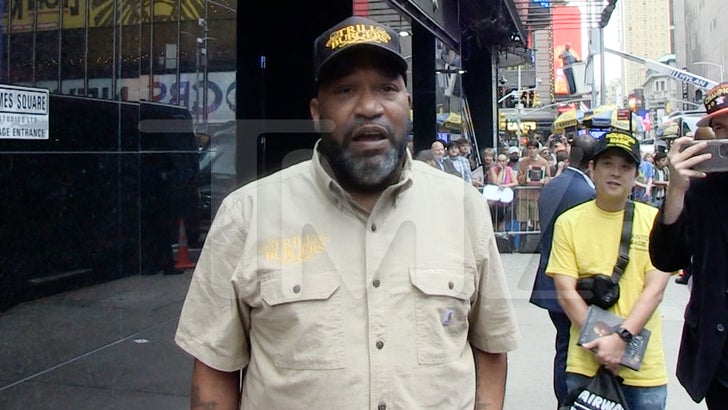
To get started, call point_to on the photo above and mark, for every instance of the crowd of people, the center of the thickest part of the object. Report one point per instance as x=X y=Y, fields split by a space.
x=330 y=285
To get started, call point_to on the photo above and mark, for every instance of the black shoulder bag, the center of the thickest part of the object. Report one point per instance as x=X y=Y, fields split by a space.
x=604 y=391
x=603 y=290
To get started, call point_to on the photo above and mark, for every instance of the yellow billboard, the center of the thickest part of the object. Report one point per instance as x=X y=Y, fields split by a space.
x=101 y=13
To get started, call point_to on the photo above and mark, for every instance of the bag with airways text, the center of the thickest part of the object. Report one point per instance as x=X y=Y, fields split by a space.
x=603 y=392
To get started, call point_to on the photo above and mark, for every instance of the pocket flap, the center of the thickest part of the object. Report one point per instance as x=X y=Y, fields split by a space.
x=289 y=285
x=442 y=282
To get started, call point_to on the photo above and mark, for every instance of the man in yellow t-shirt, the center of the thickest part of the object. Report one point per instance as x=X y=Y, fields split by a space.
x=585 y=243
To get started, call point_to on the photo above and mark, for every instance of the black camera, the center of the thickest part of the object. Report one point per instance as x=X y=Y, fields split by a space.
x=598 y=290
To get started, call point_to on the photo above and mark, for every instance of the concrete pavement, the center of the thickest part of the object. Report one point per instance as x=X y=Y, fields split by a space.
x=111 y=346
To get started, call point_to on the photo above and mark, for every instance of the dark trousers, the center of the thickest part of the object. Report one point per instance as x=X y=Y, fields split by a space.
x=562 y=324
x=717 y=396
x=569 y=73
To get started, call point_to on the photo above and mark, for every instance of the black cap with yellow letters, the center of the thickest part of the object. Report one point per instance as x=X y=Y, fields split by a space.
x=619 y=139
x=352 y=33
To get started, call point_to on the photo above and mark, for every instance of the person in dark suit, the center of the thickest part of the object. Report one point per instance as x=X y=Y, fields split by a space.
x=690 y=225
x=572 y=187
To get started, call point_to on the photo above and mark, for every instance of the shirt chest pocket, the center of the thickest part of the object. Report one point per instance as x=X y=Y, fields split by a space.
x=301 y=323
x=442 y=305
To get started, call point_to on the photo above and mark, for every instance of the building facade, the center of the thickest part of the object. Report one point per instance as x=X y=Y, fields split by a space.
x=700 y=45
x=645 y=33
x=177 y=52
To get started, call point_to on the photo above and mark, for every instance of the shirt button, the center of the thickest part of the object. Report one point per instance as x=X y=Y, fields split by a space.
x=374 y=228
x=380 y=345
x=375 y=283
x=450 y=285
x=720 y=328
x=382 y=406
x=296 y=288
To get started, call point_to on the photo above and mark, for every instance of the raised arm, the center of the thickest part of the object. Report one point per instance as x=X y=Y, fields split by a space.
x=679 y=164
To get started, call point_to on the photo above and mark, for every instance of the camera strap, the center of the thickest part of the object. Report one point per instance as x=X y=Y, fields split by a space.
x=623 y=258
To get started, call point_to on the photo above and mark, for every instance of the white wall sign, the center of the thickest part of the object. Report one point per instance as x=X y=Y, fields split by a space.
x=23 y=113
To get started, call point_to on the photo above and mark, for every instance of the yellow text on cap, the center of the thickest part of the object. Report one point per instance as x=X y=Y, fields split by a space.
x=357 y=33
x=622 y=140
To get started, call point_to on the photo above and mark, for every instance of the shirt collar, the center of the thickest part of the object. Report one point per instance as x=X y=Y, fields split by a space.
x=586 y=177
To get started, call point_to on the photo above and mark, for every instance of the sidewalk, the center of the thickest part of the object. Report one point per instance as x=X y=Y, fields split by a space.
x=111 y=347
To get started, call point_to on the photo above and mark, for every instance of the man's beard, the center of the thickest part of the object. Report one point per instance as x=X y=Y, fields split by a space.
x=367 y=173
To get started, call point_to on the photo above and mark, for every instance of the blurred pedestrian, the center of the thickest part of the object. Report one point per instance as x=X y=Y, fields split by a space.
x=456 y=164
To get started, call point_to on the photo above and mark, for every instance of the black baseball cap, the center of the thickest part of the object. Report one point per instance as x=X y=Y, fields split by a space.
x=351 y=34
x=623 y=140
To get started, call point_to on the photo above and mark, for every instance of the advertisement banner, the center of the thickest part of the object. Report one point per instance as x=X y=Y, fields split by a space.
x=101 y=13
x=220 y=88
x=567 y=28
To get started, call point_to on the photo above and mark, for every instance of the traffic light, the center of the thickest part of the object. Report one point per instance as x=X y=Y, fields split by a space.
x=536 y=99
x=524 y=99
x=502 y=121
x=530 y=99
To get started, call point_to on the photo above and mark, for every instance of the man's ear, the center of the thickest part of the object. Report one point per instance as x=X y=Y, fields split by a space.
x=313 y=107
x=591 y=166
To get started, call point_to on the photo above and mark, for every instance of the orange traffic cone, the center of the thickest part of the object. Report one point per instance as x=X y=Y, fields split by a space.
x=183 y=252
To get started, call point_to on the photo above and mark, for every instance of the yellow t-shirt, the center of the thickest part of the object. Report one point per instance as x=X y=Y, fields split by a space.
x=586 y=242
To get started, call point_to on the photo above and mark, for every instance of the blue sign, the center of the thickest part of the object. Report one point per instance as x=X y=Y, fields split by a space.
x=543 y=3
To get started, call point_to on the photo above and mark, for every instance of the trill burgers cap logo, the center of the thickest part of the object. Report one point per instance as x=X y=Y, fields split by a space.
x=716 y=103
x=354 y=32
x=357 y=33
x=620 y=140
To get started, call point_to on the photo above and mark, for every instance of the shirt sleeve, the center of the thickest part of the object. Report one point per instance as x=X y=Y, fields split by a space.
x=563 y=255
x=493 y=324
x=669 y=249
x=467 y=173
x=213 y=326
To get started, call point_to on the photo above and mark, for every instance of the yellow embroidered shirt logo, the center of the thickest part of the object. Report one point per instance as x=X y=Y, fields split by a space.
x=356 y=34
x=293 y=249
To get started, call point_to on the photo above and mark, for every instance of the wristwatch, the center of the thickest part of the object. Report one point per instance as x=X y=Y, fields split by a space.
x=625 y=334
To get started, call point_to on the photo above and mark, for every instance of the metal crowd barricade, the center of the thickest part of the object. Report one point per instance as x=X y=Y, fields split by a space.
x=516 y=225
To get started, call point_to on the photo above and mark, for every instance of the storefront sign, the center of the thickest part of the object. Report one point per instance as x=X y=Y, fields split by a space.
x=23 y=113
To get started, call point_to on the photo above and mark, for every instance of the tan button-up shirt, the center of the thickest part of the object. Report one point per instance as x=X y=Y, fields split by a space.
x=330 y=307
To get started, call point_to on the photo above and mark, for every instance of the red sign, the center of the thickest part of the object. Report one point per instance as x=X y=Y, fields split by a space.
x=566 y=107
x=623 y=115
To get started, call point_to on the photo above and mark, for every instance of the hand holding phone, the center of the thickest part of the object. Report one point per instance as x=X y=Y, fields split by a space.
x=718 y=161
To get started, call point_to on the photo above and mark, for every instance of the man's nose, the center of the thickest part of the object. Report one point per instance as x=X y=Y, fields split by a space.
x=369 y=105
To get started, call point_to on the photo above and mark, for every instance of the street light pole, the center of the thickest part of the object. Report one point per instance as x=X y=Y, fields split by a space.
x=198 y=50
x=204 y=68
x=714 y=65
